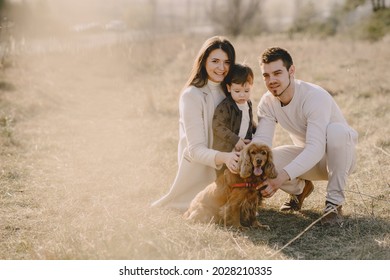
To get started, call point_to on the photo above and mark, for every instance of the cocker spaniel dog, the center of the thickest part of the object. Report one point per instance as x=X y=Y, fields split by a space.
x=233 y=199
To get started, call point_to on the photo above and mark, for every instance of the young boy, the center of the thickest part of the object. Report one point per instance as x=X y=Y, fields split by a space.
x=233 y=124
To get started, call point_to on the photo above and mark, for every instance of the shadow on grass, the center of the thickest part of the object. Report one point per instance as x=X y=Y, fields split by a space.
x=359 y=238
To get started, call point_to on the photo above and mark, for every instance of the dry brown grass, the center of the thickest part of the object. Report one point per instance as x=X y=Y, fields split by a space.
x=89 y=139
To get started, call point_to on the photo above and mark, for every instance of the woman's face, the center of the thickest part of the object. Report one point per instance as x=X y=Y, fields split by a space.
x=217 y=65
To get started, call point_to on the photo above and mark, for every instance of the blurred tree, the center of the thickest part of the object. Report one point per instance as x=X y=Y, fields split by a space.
x=3 y=9
x=376 y=25
x=350 y=5
x=377 y=5
x=344 y=18
x=305 y=17
x=1 y=13
x=233 y=16
x=3 y=16
x=309 y=20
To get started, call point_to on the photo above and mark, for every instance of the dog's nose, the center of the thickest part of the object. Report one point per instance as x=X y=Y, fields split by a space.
x=258 y=161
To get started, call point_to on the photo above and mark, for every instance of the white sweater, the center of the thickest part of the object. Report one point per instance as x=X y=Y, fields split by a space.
x=305 y=118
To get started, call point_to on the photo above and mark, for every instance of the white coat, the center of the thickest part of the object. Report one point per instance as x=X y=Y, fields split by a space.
x=196 y=158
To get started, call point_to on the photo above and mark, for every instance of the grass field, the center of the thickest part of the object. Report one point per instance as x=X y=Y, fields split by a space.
x=89 y=138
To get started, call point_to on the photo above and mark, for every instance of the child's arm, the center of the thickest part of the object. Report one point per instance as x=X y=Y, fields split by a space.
x=240 y=144
x=221 y=119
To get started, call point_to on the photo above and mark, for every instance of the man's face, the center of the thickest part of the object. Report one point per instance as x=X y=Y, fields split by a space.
x=276 y=77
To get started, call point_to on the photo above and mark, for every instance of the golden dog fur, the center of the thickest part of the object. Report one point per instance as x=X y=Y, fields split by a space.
x=233 y=199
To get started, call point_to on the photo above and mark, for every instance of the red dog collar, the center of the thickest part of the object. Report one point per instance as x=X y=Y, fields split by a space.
x=245 y=185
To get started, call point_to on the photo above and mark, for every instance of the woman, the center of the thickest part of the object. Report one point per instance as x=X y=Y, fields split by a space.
x=202 y=93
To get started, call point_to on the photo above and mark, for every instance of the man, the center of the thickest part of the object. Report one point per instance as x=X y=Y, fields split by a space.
x=323 y=142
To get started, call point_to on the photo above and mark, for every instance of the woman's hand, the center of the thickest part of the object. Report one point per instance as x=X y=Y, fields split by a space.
x=229 y=159
x=232 y=162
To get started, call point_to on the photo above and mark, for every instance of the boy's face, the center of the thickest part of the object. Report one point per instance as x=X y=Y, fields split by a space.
x=240 y=93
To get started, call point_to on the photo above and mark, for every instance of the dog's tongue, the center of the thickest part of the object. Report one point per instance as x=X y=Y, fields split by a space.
x=257 y=171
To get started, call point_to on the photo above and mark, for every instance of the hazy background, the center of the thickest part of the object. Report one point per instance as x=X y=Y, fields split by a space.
x=23 y=21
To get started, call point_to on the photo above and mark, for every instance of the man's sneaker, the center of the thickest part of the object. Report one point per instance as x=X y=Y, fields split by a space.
x=333 y=214
x=295 y=202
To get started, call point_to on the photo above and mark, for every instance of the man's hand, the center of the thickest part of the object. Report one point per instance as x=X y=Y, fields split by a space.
x=272 y=185
x=268 y=190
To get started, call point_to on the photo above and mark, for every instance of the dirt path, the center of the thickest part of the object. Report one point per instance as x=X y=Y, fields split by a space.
x=84 y=157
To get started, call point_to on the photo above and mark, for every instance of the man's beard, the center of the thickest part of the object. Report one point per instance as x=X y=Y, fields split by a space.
x=280 y=94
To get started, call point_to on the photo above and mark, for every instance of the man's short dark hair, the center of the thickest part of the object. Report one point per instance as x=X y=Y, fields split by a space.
x=276 y=53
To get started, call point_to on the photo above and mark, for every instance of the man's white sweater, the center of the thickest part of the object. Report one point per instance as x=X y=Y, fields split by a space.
x=305 y=118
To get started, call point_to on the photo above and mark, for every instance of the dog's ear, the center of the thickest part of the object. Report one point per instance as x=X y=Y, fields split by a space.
x=270 y=171
x=227 y=176
x=269 y=168
x=244 y=163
